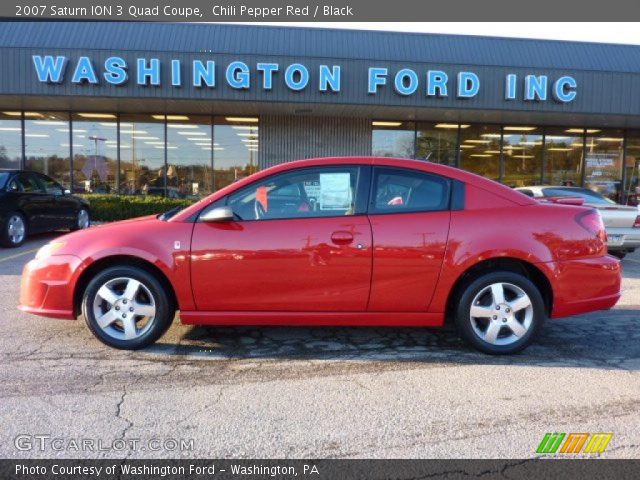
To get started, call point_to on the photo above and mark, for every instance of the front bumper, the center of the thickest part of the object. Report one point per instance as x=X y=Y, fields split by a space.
x=585 y=285
x=47 y=286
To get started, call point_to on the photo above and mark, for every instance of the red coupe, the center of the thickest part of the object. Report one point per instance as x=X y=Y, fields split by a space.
x=335 y=241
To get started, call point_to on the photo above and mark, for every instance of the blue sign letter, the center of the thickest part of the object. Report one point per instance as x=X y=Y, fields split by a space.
x=564 y=89
x=330 y=79
x=437 y=83
x=238 y=75
x=152 y=72
x=176 y=77
x=116 y=70
x=202 y=73
x=50 y=70
x=377 y=76
x=290 y=76
x=535 y=87
x=510 y=87
x=399 y=82
x=267 y=70
x=468 y=84
x=84 y=71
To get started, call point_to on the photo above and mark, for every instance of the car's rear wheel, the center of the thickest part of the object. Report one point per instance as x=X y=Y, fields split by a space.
x=83 y=220
x=14 y=231
x=126 y=307
x=500 y=312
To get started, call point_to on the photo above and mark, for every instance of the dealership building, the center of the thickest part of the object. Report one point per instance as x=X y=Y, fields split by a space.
x=185 y=109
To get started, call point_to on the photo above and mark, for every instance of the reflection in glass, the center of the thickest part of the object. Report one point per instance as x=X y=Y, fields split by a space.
x=47 y=144
x=189 y=156
x=95 y=152
x=393 y=139
x=10 y=139
x=480 y=150
x=235 y=149
x=142 y=155
x=437 y=142
x=563 y=156
x=603 y=162
x=522 y=153
x=632 y=169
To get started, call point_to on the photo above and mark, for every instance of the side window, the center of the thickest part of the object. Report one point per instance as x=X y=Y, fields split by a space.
x=526 y=191
x=13 y=185
x=50 y=185
x=400 y=190
x=311 y=192
x=29 y=184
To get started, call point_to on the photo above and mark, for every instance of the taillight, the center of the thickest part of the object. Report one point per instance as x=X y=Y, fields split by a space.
x=637 y=222
x=592 y=222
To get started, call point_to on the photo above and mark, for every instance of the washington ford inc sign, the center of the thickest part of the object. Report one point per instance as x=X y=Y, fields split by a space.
x=296 y=77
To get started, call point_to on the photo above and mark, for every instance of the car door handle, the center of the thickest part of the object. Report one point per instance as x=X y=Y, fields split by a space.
x=342 y=237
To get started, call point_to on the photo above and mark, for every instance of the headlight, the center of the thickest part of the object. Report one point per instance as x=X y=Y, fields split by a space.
x=49 y=249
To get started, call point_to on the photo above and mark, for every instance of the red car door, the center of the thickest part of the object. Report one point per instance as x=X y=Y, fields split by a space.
x=301 y=241
x=410 y=214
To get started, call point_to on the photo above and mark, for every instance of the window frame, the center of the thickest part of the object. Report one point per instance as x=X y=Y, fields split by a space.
x=41 y=179
x=372 y=210
x=33 y=178
x=363 y=182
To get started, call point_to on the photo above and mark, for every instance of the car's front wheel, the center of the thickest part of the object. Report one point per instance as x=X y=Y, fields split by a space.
x=500 y=312
x=126 y=307
x=83 y=220
x=14 y=231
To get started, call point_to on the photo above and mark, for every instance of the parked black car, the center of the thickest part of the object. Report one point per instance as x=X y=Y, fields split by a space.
x=31 y=202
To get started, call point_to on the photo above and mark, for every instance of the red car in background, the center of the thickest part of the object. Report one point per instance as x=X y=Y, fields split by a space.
x=335 y=241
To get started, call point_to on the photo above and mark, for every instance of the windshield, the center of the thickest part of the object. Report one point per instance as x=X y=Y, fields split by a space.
x=589 y=195
x=169 y=213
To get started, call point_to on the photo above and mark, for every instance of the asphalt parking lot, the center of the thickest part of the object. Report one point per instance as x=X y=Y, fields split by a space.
x=313 y=392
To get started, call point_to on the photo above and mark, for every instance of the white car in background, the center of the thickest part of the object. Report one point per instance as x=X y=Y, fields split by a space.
x=621 y=222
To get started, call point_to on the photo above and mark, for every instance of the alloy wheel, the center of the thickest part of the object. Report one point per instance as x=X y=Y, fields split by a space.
x=83 y=219
x=124 y=308
x=501 y=313
x=16 y=229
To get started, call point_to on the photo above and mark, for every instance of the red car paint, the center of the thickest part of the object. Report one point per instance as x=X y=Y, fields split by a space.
x=309 y=271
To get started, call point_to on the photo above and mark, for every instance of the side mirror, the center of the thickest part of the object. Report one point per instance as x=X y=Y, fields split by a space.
x=219 y=214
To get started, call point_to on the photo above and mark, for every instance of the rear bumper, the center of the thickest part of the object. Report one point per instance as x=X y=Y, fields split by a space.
x=46 y=287
x=630 y=241
x=585 y=285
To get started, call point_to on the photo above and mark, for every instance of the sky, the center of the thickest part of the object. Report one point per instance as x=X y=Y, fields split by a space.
x=604 y=32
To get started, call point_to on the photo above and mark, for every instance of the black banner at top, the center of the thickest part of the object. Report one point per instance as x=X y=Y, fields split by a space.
x=320 y=11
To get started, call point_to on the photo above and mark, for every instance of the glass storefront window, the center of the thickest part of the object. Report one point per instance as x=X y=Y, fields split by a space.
x=95 y=152
x=563 y=156
x=603 y=162
x=393 y=139
x=522 y=153
x=632 y=169
x=235 y=149
x=10 y=139
x=189 y=156
x=437 y=142
x=48 y=145
x=142 y=143
x=480 y=150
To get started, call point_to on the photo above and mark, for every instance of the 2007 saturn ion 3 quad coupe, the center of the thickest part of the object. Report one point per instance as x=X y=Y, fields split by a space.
x=335 y=241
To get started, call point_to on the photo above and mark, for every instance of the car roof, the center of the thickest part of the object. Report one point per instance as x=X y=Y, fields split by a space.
x=421 y=165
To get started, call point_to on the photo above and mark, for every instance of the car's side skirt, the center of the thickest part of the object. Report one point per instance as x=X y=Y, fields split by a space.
x=334 y=319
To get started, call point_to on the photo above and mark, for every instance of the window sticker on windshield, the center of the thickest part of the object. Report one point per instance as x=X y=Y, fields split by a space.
x=335 y=191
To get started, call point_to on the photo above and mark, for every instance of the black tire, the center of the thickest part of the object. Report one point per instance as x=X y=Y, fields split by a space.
x=164 y=310
x=6 y=240
x=618 y=254
x=76 y=224
x=465 y=324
